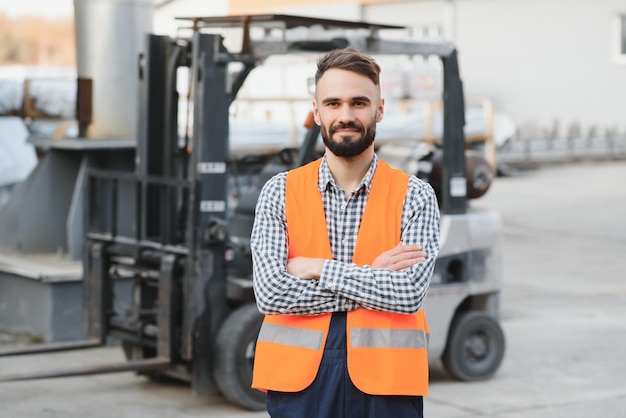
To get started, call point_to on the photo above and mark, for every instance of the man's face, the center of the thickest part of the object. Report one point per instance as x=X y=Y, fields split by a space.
x=347 y=107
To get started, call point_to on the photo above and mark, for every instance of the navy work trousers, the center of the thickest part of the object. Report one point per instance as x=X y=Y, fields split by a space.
x=333 y=395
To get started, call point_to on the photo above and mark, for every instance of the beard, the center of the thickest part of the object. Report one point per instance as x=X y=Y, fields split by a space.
x=344 y=147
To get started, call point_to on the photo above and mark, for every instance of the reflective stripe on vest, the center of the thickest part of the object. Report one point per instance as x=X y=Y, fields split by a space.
x=388 y=338
x=295 y=337
x=386 y=351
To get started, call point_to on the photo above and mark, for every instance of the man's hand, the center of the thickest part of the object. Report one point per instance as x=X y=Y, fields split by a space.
x=305 y=268
x=400 y=257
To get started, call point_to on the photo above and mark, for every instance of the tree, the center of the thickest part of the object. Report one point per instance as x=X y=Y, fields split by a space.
x=37 y=41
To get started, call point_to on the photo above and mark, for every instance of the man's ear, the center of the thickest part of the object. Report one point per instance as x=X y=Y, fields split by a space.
x=380 y=111
x=316 y=114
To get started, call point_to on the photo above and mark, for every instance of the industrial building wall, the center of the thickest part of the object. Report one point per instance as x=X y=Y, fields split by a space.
x=328 y=9
x=165 y=22
x=543 y=61
x=549 y=64
x=427 y=18
x=245 y=6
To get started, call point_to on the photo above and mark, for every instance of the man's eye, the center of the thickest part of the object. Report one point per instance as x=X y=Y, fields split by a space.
x=358 y=104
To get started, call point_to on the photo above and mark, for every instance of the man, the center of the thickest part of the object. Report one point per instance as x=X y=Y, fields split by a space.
x=343 y=251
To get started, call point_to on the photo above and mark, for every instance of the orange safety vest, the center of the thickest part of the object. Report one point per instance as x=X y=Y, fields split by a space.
x=387 y=352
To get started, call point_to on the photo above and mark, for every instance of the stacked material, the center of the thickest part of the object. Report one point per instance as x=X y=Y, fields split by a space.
x=17 y=156
x=53 y=98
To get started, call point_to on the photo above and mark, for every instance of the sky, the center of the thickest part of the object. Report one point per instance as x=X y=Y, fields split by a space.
x=41 y=8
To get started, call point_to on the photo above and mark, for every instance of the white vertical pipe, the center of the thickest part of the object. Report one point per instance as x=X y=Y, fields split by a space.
x=110 y=34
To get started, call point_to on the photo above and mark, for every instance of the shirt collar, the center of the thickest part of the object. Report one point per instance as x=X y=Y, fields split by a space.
x=326 y=180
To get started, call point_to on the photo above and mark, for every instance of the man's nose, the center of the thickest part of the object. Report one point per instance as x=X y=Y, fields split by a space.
x=346 y=113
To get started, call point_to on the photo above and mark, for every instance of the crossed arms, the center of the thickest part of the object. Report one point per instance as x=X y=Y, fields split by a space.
x=396 y=281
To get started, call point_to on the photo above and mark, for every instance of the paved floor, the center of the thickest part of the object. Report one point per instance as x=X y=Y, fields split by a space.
x=563 y=310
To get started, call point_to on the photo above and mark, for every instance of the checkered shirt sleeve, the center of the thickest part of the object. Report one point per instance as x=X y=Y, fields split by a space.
x=343 y=285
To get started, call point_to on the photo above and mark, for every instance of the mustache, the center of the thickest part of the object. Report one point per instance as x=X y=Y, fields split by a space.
x=349 y=125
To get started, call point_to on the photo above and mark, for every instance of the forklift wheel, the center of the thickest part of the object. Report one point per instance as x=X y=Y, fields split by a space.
x=475 y=347
x=235 y=346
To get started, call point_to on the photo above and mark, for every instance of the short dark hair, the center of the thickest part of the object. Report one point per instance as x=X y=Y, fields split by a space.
x=350 y=59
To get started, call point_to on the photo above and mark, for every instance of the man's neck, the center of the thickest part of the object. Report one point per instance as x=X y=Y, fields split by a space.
x=348 y=172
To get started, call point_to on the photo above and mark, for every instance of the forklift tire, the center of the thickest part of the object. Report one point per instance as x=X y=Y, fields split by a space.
x=475 y=347
x=234 y=357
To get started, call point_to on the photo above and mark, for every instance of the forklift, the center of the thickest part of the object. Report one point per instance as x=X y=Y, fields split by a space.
x=167 y=217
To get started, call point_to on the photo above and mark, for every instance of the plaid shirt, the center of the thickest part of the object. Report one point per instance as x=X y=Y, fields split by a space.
x=343 y=285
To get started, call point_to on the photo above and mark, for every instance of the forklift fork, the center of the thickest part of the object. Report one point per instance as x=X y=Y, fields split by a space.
x=144 y=365
x=50 y=348
x=98 y=301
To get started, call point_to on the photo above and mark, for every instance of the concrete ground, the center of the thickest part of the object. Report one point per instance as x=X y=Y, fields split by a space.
x=563 y=313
